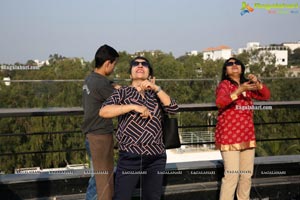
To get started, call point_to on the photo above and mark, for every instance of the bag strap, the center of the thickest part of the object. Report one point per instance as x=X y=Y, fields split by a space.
x=161 y=107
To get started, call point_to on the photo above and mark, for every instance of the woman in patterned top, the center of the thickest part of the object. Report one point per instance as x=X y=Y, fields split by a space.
x=234 y=135
x=142 y=156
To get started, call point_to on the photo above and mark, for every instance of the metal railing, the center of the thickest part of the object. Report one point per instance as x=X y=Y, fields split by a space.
x=192 y=136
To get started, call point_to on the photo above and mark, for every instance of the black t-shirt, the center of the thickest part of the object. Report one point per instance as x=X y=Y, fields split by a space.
x=96 y=89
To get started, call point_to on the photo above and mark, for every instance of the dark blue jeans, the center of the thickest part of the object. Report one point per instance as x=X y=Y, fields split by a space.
x=91 y=192
x=143 y=169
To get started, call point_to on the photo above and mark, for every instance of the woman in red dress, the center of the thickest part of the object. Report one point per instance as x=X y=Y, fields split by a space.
x=235 y=136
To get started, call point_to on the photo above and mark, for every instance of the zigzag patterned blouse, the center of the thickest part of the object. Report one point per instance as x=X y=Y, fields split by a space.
x=135 y=134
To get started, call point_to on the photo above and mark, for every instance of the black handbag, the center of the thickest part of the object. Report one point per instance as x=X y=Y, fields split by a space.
x=170 y=132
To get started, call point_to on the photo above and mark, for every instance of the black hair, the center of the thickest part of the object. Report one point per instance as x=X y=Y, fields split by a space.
x=226 y=77
x=105 y=53
x=142 y=58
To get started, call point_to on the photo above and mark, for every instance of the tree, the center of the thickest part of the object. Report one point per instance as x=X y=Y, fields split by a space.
x=188 y=79
x=294 y=57
x=273 y=148
x=31 y=63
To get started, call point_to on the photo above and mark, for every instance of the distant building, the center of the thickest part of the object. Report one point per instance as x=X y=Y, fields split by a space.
x=292 y=45
x=294 y=71
x=192 y=53
x=250 y=46
x=279 y=51
x=215 y=53
x=76 y=59
x=143 y=53
x=6 y=81
x=41 y=63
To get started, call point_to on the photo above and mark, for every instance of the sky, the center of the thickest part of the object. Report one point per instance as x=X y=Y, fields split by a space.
x=35 y=29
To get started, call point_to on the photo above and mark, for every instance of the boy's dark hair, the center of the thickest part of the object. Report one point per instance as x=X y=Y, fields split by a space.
x=142 y=58
x=105 y=53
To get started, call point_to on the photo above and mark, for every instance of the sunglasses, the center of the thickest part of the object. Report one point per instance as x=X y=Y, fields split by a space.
x=136 y=63
x=229 y=64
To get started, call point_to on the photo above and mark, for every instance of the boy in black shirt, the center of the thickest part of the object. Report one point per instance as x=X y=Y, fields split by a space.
x=99 y=131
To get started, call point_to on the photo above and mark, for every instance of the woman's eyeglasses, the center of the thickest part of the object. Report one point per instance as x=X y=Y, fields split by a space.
x=136 y=63
x=229 y=64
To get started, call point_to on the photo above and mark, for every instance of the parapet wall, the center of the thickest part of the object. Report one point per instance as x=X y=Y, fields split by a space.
x=276 y=177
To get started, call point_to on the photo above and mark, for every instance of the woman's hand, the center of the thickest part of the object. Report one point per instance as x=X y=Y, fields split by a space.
x=255 y=80
x=143 y=110
x=248 y=86
x=252 y=78
x=149 y=85
x=242 y=88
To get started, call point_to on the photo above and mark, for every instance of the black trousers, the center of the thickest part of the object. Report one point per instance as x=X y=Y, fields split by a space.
x=143 y=169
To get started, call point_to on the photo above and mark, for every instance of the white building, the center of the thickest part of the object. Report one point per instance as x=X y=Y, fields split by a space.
x=280 y=52
x=250 y=46
x=143 y=53
x=6 y=81
x=192 y=53
x=215 y=53
x=292 y=45
x=41 y=63
x=281 y=56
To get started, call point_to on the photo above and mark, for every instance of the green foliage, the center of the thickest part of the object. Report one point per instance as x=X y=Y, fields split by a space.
x=284 y=123
x=294 y=57
x=188 y=79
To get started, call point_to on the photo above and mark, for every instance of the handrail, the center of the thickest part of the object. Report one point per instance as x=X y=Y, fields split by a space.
x=61 y=111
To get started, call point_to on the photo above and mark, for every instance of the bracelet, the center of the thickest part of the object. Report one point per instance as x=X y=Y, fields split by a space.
x=158 y=90
x=233 y=97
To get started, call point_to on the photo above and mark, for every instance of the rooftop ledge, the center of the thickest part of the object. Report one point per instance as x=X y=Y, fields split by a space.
x=275 y=177
x=50 y=111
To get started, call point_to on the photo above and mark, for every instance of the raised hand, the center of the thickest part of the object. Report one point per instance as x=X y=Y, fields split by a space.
x=148 y=84
x=248 y=86
x=252 y=78
x=255 y=80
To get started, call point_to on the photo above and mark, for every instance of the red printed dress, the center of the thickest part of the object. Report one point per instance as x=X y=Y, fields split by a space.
x=235 y=128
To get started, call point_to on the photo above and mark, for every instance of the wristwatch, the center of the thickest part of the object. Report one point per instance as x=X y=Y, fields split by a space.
x=158 y=90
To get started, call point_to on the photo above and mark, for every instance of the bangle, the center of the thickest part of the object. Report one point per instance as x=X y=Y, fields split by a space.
x=233 y=97
x=158 y=90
